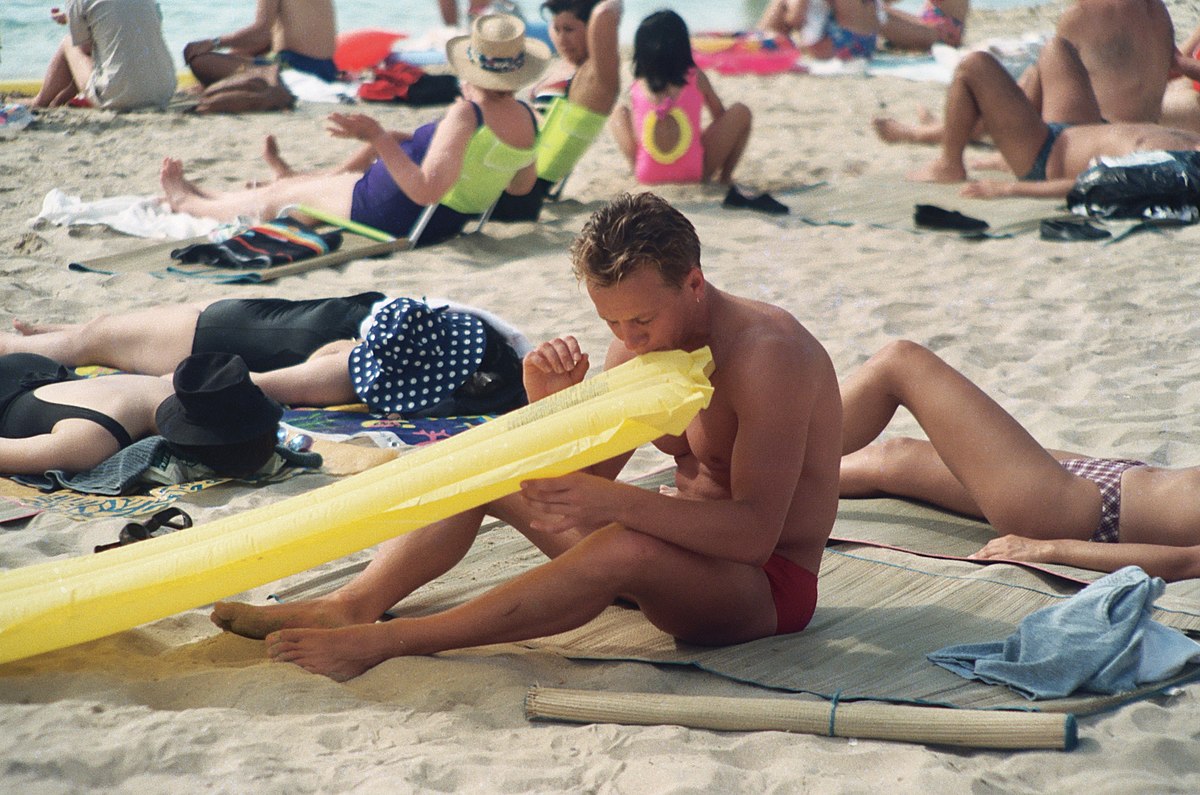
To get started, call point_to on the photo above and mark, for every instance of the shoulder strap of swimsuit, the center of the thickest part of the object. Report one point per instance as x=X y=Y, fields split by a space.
x=104 y=421
x=478 y=114
x=532 y=116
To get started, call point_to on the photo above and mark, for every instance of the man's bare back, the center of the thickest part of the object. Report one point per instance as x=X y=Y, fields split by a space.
x=307 y=27
x=1126 y=47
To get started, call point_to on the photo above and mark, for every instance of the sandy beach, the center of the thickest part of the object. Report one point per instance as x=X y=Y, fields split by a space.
x=1090 y=345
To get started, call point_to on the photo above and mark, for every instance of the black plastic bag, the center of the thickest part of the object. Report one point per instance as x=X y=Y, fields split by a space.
x=1156 y=185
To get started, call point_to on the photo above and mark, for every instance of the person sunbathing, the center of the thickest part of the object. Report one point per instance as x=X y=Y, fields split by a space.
x=462 y=163
x=316 y=352
x=1047 y=156
x=584 y=33
x=1127 y=49
x=825 y=29
x=940 y=22
x=1048 y=506
x=210 y=412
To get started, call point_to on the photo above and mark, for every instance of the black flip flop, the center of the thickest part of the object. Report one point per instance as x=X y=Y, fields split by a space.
x=1064 y=229
x=933 y=217
x=763 y=202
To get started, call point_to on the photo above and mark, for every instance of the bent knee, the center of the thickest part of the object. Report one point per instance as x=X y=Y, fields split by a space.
x=624 y=549
x=899 y=353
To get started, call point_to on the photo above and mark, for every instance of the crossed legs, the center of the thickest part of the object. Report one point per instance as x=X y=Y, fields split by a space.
x=690 y=596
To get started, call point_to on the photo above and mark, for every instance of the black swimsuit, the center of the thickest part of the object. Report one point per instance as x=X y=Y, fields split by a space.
x=270 y=333
x=23 y=414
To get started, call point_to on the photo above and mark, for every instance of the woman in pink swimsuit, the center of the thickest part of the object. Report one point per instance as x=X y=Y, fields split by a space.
x=662 y=136
x=1049 y=506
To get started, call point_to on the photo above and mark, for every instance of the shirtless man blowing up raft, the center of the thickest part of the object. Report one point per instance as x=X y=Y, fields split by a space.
x=732 y=557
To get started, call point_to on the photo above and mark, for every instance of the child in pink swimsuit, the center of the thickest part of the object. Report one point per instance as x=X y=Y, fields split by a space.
x=684 y=162
x=662 y=136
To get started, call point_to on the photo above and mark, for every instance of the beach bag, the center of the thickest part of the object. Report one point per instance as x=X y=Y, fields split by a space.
x=272 y=243
x=255 y=88
x=398 y=81
x=1158 y=186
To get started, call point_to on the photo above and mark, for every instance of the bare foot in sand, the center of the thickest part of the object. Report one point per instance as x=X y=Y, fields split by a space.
x=258 y=621
x=27 y=329
x=279 y=166
x=176 y=188
x=340 y=654
x=891 y=130
x=939 y=171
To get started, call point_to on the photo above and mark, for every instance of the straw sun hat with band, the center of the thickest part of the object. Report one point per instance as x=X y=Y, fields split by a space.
x=497 y=55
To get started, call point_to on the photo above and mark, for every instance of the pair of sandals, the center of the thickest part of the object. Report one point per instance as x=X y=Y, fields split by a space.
x=168 y=520
x=1062 y=229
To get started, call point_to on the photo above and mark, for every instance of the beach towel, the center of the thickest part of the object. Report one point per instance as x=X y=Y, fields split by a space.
x=14 y=117
x=310 y=88
x=264 y=245
x=876 y=620
x=139 y=216
x=389 y=431
x=152 y=461
x=156 y=261
x=1102 y=640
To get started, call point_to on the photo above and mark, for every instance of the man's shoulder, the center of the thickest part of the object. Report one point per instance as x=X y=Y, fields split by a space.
x=769 y=336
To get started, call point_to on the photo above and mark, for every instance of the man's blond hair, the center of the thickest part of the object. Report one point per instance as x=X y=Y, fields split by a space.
x=631 y=232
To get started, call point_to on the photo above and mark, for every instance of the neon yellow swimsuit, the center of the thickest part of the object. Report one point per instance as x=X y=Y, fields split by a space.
x=567 y=133
x=488 y=166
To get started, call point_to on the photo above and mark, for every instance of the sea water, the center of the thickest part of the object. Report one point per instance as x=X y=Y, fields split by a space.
x=28 y=36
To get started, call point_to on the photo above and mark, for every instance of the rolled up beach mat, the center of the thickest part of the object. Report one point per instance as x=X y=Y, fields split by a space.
x=869 y=721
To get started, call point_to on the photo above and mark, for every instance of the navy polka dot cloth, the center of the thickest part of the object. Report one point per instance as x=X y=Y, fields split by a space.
x=414 y=356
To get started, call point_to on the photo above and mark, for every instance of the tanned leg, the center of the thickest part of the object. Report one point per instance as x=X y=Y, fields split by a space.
x=1015 y=482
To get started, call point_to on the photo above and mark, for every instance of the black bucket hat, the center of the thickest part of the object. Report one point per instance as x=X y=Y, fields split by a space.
x=215 y=403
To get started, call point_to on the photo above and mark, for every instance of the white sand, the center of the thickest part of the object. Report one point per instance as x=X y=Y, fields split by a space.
x=1091 y=346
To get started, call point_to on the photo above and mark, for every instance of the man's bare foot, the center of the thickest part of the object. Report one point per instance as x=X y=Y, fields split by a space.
x=925 y=116
x=938 y=171
x=340 y=654
x=258 y=621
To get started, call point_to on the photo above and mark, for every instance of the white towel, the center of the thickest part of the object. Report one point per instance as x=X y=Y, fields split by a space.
x=139 y=216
